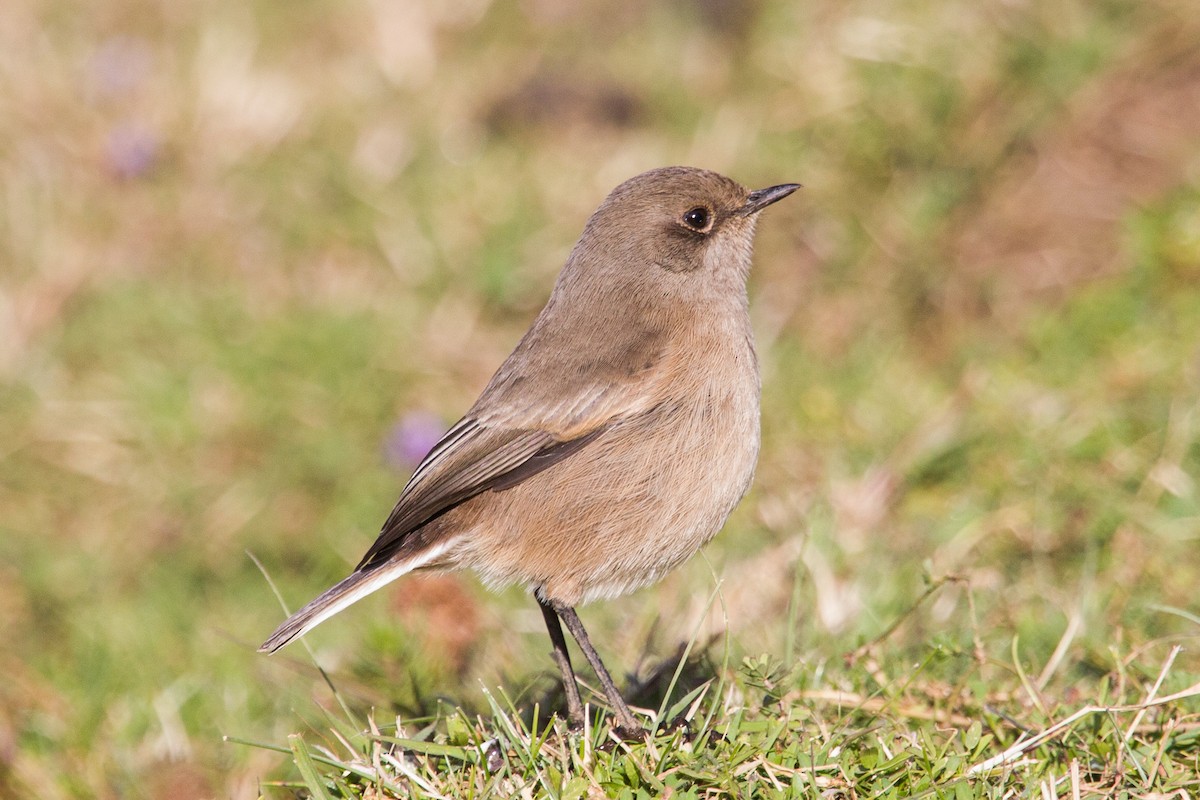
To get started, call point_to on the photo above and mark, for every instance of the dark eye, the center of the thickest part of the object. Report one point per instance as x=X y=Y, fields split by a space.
x=697 y=218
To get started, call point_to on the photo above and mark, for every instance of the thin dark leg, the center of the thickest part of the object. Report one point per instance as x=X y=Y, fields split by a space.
x=563 y=659
x=627 y=726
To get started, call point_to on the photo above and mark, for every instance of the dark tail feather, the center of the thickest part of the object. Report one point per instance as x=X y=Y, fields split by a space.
x=331 y=602
x=350 y=591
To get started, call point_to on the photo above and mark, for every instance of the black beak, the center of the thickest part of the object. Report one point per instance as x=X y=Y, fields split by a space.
x=760 y=199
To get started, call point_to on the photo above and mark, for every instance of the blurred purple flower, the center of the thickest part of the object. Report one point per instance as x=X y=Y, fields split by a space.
x=131 y=150
x=411 y=438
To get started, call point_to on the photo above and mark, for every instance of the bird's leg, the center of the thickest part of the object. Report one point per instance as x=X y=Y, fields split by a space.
x=627 y=726
x=563 y=659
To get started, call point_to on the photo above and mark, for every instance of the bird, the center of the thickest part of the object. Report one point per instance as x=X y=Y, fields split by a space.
x=616 y=438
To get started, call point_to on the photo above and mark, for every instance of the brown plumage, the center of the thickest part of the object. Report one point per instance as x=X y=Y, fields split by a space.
x=615 y=439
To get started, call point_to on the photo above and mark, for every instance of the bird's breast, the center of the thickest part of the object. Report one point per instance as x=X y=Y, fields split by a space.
x=643 y=496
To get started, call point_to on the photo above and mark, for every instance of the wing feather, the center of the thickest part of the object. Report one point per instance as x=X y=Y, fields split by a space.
x=537 y=410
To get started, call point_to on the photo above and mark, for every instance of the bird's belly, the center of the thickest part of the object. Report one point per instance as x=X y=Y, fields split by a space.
x=626 y=509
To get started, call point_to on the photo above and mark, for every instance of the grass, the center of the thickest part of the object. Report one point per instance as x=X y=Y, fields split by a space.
x=245 y=254
x=943 y=728
x=786 y=744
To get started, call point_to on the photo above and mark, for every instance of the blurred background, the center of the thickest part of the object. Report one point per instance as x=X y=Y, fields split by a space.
x=255 y=257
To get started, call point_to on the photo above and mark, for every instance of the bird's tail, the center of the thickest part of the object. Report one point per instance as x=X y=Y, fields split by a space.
x=349 y=591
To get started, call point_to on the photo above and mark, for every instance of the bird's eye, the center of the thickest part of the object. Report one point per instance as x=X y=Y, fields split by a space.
x=697 y=218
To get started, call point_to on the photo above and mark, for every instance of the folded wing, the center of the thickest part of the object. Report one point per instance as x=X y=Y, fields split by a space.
x=519 y=427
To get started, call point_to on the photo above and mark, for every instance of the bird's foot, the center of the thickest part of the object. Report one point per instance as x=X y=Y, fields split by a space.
x=626 y=733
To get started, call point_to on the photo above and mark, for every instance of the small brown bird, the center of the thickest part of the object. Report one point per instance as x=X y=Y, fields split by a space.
x=617 y=437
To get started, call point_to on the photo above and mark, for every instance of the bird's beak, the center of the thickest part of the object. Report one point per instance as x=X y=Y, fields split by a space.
x=760 y=199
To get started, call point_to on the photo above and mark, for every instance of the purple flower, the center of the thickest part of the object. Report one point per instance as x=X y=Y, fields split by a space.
x=131 y=150
x=411 y=438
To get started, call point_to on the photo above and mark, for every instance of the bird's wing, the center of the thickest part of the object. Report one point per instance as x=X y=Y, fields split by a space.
x=523 y=424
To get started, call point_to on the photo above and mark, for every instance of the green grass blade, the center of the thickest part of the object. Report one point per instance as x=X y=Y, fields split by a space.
x=308 y=769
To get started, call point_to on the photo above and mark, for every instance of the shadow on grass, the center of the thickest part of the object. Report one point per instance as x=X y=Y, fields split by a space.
x=540 y=697
x=656 y=687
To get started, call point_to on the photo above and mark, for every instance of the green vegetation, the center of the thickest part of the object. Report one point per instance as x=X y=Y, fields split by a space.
x=246 y=251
